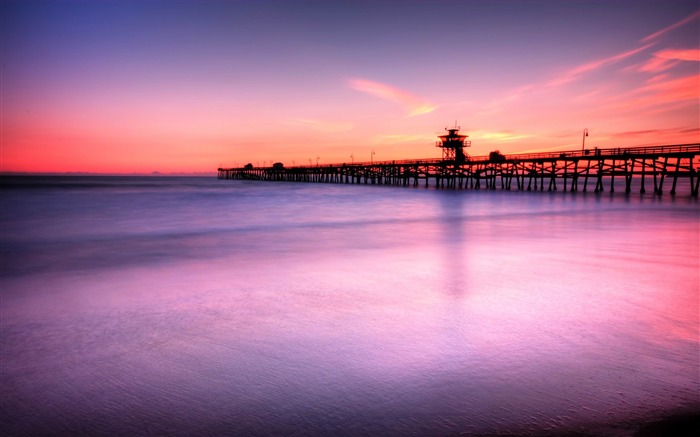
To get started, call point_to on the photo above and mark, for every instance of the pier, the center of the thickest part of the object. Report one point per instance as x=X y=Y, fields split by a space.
x=654 y=168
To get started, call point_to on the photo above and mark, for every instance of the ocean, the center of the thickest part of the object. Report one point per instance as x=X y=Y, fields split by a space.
x=196 y=306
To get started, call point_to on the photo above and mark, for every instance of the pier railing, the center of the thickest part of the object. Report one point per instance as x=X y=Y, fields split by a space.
x=587 y=153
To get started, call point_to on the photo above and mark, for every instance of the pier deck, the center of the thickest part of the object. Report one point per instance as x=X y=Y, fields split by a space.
x=594 y=169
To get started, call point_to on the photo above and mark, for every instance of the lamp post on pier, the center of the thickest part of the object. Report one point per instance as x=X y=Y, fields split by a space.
x=583 y=143
x=371 y=158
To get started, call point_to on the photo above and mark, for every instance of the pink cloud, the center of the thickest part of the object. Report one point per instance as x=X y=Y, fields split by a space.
x=666 y=59
x=658 y=78
x=655 y=65
x=671 y=135
x=500 y=136
x=654 y=133
x=683 y=88
x=660 y=95
x=680 y=54
x=415 y=105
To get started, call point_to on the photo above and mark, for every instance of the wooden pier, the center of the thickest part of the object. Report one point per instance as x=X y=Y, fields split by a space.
x=651 y=168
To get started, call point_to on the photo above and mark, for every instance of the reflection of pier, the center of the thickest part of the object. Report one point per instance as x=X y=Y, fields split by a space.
x=591 y=170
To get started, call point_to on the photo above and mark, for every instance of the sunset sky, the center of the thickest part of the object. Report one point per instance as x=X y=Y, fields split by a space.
x=124 y=87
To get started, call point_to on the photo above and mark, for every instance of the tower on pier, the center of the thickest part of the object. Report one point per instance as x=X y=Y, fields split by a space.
x=453 y=144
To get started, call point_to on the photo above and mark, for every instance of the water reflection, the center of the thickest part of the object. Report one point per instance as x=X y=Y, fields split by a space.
x=454 y=242
x=349 y=311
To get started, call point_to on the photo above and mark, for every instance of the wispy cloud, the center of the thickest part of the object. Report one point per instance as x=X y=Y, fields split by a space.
x=680 y=54
x=500 y=136
x=319 y=125
x=631 y=135
x=680 y=89
x=658 y=95
x=569 y=76
x=497 y=105
x=413 y=104
x=656 y=35
x=661 y=61
x=666 y=59
x=592 y=66
x=647 y=137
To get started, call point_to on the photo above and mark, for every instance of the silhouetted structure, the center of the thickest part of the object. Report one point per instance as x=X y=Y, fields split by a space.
x=570 y=171
x=453 y=145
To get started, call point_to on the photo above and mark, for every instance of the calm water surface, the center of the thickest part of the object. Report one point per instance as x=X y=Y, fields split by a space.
x=192 y=306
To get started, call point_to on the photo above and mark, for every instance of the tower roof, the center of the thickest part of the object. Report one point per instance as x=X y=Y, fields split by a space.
x=452 y=135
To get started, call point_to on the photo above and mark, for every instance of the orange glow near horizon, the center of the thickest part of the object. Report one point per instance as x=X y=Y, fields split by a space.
x=95 y=101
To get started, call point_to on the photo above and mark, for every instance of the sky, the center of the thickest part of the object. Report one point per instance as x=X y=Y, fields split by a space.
x=188 y=86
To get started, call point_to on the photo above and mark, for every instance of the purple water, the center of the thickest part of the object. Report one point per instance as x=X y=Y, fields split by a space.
x=192 y=306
